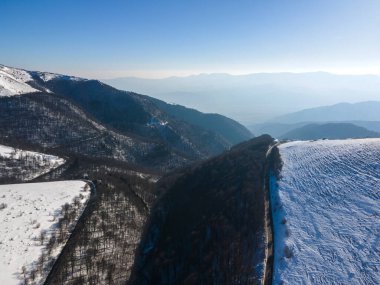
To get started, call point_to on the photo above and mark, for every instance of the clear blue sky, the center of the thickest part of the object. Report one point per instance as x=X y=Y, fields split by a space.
x=104 y=39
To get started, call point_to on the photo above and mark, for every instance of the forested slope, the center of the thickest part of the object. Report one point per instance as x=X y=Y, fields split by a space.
x=208 y=225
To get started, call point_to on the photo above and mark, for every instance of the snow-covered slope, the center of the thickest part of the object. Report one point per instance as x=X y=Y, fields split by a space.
x=13 y=81
x=326 y=212
x=25 y=211
x=25 y=165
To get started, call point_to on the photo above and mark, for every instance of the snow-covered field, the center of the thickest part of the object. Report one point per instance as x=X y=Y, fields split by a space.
x=25 y=211
x=26 y=164
x=326 y=212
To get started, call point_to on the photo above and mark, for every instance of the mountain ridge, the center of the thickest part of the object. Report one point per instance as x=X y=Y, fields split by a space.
x=123 y=114
x=360 y=111
x=329 y=131
x=261 y=96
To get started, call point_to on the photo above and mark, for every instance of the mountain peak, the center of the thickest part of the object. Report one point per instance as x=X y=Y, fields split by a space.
x=47 y=76
x=14 y=81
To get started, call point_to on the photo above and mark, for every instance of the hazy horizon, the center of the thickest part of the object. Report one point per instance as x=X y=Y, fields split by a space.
x=241 y=74
x=185 y=75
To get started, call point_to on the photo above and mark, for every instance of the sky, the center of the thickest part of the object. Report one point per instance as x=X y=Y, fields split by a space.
x=155 y=39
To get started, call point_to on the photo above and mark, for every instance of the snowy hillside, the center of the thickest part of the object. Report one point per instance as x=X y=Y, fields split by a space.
x=25 y=165
x=15 y=81
x=326 y=212
x=26 y=211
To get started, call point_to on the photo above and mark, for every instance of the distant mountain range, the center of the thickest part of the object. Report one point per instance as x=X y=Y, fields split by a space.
x=81 y=117
x=342 y=120
x=256 y=98
x=329 y=131
x=362 y=111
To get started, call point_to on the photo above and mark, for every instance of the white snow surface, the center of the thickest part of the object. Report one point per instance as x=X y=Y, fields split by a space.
x=13 y=81
x=45 y=162
x=28 y=205
x=326 y=210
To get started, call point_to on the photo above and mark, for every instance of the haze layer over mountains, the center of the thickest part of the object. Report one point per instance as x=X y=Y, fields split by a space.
x=256 y=98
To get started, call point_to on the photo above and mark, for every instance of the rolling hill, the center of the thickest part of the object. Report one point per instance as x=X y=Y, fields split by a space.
x=256 y=98
x=362 y=114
